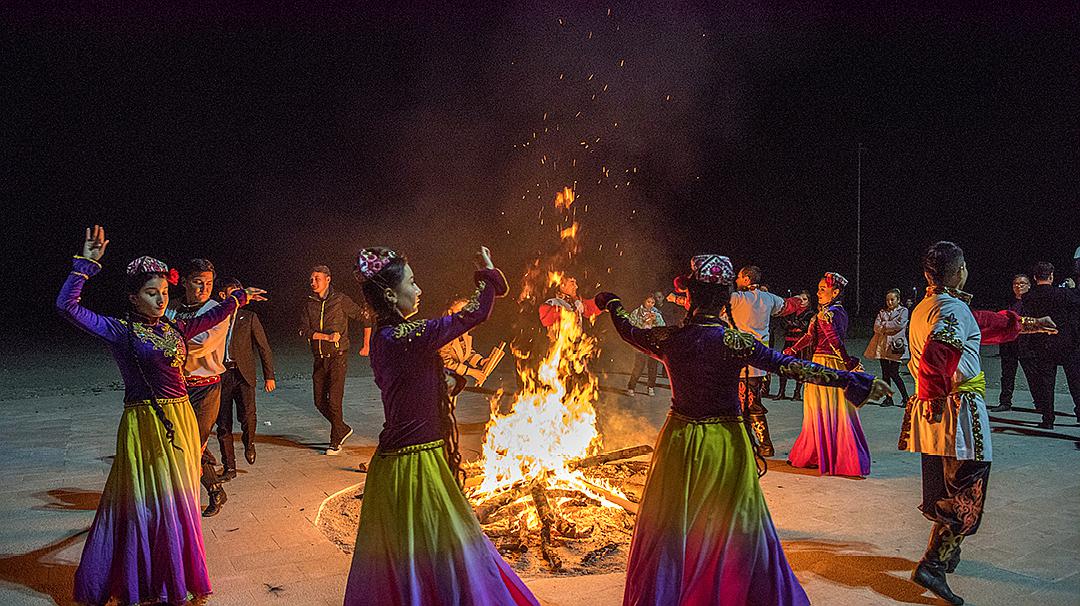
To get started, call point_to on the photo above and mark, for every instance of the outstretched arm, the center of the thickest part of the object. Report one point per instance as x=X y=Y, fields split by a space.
x=644 y=340
x=859 y=387
x=490 y=283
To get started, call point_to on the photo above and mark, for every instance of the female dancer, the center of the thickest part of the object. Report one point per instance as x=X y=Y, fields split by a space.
x=832 y=438
x=703 y=533
x=145 y=545
x=418 y=541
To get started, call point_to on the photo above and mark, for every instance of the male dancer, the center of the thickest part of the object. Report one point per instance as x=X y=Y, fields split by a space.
x=946 y=420
x=753 y=309
x=566 y=299
x=203 y=367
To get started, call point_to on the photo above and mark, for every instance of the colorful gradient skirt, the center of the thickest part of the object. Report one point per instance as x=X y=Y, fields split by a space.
x=703 y=534
x=419 y=542
x=145 y=545
x=832 y=438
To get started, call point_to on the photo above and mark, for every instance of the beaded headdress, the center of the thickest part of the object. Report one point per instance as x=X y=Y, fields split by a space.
x=150 y=265
x=712 y=269
x=370 y=261
x=835 y=280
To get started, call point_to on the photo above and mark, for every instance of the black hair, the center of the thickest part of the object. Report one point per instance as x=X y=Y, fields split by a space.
x=942 y=260
x=895 y=291
x=197 y=266
x=374 y=289
x=225 y=284
x=753 y=272
x=1042 y=270
x=1024 y=276
x=321 y=269
x=707 y=298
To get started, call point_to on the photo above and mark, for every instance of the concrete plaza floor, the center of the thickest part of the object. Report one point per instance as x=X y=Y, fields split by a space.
x=849 y=541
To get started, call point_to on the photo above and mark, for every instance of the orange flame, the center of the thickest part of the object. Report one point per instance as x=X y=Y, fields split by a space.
x=564 y=198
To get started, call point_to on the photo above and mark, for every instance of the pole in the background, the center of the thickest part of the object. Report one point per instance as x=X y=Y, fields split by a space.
x=858 y=237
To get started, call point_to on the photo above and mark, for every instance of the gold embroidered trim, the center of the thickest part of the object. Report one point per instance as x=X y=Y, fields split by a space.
x=947 y=335
x=706 y=420
x=161 y=401
x=905 y=426
x=738 y=341
x=473 y=303
x=87 y=259
x=976 y=425
x=409 y=330
x=81 y=275
x=656 y=337
x=168 y=342
x=809 y=373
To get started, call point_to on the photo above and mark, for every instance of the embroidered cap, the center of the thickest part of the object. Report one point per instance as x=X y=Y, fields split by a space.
x=835 y=280
x=150 y=265
x=712 y=269
x=371 y=261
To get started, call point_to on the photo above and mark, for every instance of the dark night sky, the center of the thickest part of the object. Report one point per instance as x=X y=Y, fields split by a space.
x=269 y=144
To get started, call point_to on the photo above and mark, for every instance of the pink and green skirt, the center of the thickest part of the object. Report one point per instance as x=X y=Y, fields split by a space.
x=145 y=545
x=419 y=542
x=832 y=438
x=703 y=534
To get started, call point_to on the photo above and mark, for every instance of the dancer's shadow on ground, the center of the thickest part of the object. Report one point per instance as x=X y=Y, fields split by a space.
x=291 y=442
x=1027 y=428
x=40 y=573
x=782 y=466
x=851 y=564
x=68 y=499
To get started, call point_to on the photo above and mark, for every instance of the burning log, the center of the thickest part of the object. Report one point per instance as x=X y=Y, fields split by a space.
x=614 y=498
x=607 y=457
x=485 y=509
x=547 y=522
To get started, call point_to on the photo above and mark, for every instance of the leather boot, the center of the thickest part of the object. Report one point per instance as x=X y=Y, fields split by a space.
x=760 y=427
x=214 y=489
x=944 y=547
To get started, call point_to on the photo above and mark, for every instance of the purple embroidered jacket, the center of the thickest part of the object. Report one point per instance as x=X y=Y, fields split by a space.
x=704 y=359
x=409 y=371
x=159 y=348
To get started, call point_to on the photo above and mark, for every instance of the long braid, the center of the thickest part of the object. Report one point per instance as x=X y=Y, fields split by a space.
x=452 y=437
x=159 y=412
x=761 y=462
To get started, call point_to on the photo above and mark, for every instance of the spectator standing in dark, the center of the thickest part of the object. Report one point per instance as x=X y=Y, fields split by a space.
x=1010 y=352
x=889 y=344
x=324 y=322
x=646 y=316
x=1048 y=351
x=794 y=327
x=244 y=339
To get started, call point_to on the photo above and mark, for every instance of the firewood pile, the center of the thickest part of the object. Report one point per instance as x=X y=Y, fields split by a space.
x=542 y=530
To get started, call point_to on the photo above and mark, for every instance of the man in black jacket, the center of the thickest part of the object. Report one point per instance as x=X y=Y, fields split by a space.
x=244 y=339
x=1047 y=352
x=324 y=321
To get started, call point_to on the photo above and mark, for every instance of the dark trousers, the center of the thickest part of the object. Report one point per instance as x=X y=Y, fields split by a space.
x=328 y=382
x=890 y=371
x=1041 y=374
x=206 y=400
x=641 y=362
x=1010 y=360
x=235 y=391
x=954 y=492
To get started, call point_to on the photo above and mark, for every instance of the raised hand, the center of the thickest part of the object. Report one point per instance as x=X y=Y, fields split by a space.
x=255 y=294
x=94 y=246
x=483 y=259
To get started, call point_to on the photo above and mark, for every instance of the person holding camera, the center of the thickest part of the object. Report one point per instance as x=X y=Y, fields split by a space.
x=889 y=343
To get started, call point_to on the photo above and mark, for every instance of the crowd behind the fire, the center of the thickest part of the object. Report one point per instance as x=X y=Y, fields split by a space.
x=189 y=365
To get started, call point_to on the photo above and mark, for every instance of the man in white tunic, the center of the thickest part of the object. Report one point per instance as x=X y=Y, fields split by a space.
x=946 y=420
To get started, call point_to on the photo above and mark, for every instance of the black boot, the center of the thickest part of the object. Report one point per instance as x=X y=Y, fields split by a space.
x=212 y=483
x=943 y=549
x=759 y=424
x=217 y=499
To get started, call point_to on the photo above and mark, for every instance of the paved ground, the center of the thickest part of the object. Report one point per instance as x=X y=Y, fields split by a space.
x=849 y=541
